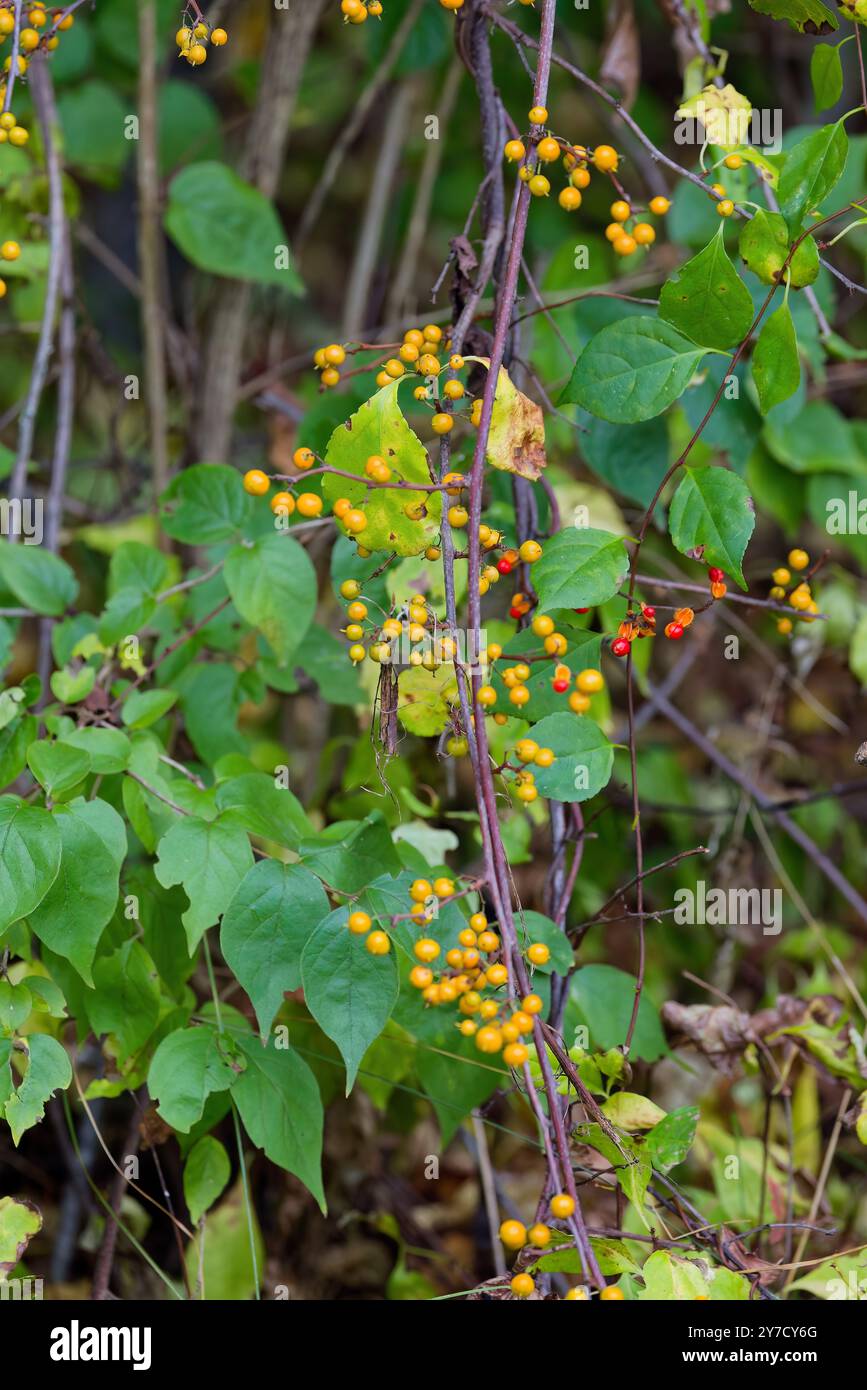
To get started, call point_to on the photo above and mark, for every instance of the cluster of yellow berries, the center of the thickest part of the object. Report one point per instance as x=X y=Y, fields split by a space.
x=13 y=132
x=376 y=941
x=624 y=234
x=193 y=40
x=9 y=251
x=515 y=1236
x=799 y=596
x=283 y=503
x=33 y=19
x=358 y=12
x=465 y=975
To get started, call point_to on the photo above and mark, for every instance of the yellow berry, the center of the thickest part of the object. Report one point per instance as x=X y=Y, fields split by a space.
x=590 y=681
x=489 y=1039
x=309 y=504
x=562 y=1205
x=620 y=211
x=378 y=943
x=537 y=115
x=532 y=1004
x=256 y=482
x=799 y=559
x=523 y=1285
x=659 y=206
x=513 y=1234
x=539 y=1234
x=443 y=887
x=515 y=1054
x=548 y=149
x=538 y=953
x=359 y=923
x=605 y=158
x=514 y=150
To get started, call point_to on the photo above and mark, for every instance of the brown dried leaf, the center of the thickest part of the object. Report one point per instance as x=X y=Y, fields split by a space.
x=621 y=52
x=718 y=1030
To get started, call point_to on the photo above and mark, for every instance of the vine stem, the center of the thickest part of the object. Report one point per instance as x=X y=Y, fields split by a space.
x=474 y=716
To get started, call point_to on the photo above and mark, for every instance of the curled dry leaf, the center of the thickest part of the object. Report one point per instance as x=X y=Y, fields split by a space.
x=621 y=55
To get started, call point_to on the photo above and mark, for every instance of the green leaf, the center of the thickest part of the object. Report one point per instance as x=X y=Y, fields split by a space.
x=776 y=364
x=80 y=903
x=351 y=854
x=632 y=1112
x=126 y=1004
x=579 y=568
x=712 y=512
x=70 y=687
x=630 y=1163
x=584 y=757
x=604 y=997
x=706 y=298
x=189 y=125
x=187 y=1067
x=425 y=699
x=48 y=1070
x=667 y=1277
x=16 y=1003
x=108 y=749
x=141 y=708
x=764 y=249
x=264 y=809
x=15 y=739
x=205 y=504
x=206 y=1172
x=819 y=439
x=222 y=1258
x=806 y=16
x=273 y=586
x=209 y=858
x=29 y=857
x=38 y=579
x=812 y=170
x=93 y=118
x=669 y=1142
x=265 y=929
x=379 y=427
x=349 y=992
x=280 y=1106
x=826 y=75
x=457 y=1078
x=632 y=459
x=58 y=767
x=225 y=226
x=632 y=370
x=20 y=1220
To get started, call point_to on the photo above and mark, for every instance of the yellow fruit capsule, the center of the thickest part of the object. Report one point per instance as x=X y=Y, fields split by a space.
x=580 y=177
x=489 y=1039
x=579 y=702
x=378 y=943
x=537 y=115
x=799 y=559
x=542 y=625
x=532 y=1004
x=569 y=199
x=497 y=975
x=781 y=577
x=724 y=208
x=442 y=423
x=443 y=887
x=538 y=953
x=548 y=149
x=539 y=1234
x=426 y=949
x=514 y=150
x=219 y=37
x=282 y=504
x=530 y=552
x=620 y=211
x=359 y=923
x=513 y=1234
x=605 y=158
x=659 y=206
x=644 y=234
x=624 y=245
x=420 y=977
x=562 y=1206
x=256 y=482
x=458 y=516
x=590 y=681
x=515 y=1054
x=539 y=186
x=523 y=1285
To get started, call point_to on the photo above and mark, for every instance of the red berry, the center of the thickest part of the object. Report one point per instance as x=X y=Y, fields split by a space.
x=515 y=613
x=581 y=610
x=560 y=686
x=650 y=613
x=620 y=647
x=504 y=566
x=674 y=631
x=716 y=576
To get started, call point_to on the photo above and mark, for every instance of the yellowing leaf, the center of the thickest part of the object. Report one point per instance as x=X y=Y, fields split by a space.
x=424 y=698
x=516 y=440
x=723 y=111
